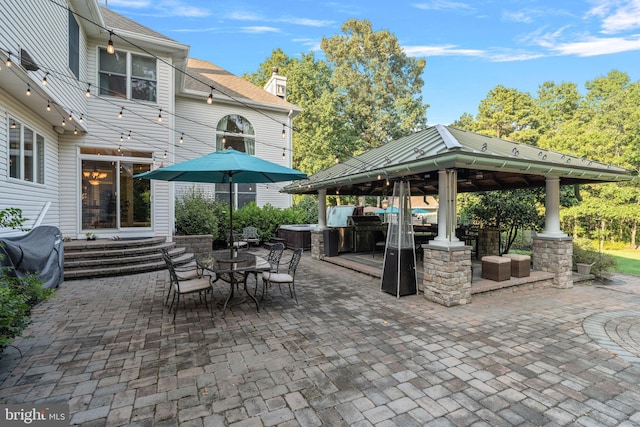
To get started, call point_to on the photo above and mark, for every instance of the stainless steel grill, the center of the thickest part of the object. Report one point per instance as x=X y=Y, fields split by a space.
x=365 y=230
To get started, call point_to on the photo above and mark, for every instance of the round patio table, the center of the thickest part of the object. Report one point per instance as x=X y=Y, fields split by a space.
x=233 y=271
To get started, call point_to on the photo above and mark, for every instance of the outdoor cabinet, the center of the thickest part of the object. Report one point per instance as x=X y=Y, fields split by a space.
x=330 y=237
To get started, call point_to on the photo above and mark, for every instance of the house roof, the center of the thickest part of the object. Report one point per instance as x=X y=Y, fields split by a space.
x=116 y=21
x=484 y=163
x=228 y=84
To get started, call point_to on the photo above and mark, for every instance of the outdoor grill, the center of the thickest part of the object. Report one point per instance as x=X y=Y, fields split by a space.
x=366 y=229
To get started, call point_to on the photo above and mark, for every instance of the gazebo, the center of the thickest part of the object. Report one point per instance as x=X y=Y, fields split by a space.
x=446 y=161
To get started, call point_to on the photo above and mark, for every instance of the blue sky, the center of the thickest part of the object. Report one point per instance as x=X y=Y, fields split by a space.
x=470 y=46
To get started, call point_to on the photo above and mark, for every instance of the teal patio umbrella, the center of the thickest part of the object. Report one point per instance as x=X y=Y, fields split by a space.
x=226 y=167
x=390 y=209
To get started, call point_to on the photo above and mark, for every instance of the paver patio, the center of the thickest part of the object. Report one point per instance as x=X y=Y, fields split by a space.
x=348 y=354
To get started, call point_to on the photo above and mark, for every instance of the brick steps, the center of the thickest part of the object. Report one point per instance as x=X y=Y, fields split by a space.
x=103 y=258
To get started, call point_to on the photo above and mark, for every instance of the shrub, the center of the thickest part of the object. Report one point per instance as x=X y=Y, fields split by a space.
x=584 y=252
x=17 y=296
x=196 y=214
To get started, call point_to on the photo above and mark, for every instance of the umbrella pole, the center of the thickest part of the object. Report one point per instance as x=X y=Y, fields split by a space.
x=231 y=214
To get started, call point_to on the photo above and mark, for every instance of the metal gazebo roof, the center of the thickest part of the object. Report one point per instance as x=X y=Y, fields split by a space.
x=484 y=163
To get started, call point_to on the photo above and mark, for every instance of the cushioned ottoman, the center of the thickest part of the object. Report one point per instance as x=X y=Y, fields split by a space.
x=520 y=264
x=496 y=268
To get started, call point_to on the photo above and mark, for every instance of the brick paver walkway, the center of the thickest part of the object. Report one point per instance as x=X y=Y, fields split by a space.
x=346 y=355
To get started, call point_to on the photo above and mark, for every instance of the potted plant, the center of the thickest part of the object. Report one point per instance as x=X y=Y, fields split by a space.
x=90 y=235
x=587 y=260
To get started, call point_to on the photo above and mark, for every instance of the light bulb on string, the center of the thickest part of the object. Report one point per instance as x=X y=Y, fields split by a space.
x=75 y=131
x=44 y=79
x=64 y=122
x=121 y=137
x=70 y=116
x=129 y=136
x=110 y=48
x=28 y=90
x=284 y=132
x=121 y=112
x=88 y=92
x=81 y=118
x=210 y=97
x=48 y=106
x=8 y=63
x=160 y=116
x=283 y=154
x=182 y=138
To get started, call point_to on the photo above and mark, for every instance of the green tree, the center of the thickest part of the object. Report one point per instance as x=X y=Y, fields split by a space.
x=509 y=210
x=378 y=85
x=508 y=113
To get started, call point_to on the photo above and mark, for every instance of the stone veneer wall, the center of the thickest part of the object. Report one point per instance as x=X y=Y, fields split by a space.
x=554 y=255
x=488 y=242
x=195 y=244
x=447 y=275
x=317 y=244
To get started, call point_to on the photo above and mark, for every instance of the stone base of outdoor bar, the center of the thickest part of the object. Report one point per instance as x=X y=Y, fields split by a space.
x=447 y=274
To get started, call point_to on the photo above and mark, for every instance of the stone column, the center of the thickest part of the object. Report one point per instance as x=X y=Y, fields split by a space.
x=322 y=209
x=552 y=209
x=447 y=192
x=488 y=241
x=447 y=274
x=554 y=255
x=317 y=236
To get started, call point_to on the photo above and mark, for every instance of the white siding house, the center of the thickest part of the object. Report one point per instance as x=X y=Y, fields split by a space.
x=68 y=159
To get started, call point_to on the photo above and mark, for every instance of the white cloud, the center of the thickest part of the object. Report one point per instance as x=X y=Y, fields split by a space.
x=444 y=50
x=594 y=46
x=444 y=5
x=162 y=8
x=258 y=29
x=523 y=17
x=624 y=18
x=492 y=55
x=306 y=22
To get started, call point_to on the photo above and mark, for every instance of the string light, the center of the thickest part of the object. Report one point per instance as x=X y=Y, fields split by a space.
x=48 y=106
x=13 y=124
x=110 y=49
x=182 y=138
x=64 y=123
x=81 y=118
x=160 y=116
x=120 y=114
x=165 y=154
x=284 y=133
x=75 y=131
x=28 y=90
x=283 y=154
x=8 y=63
x=121 y=137
x=88 y=92
x=210 y=98
x=70 y=116
x=44 y=79
x=129 y=136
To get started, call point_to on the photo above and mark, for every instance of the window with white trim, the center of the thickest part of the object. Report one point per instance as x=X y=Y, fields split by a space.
x=26 y=153
x=127 y=75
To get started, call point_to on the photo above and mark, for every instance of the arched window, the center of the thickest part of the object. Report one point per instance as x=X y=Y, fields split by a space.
x=236 y=132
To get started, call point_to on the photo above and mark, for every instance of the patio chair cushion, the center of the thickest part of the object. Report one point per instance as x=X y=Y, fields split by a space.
x=520 y=264
x=277 y=277
x=496 y=268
